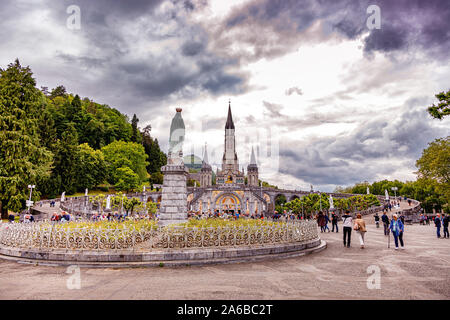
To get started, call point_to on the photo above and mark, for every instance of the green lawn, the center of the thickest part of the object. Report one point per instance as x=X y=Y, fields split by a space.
x=16 y=218
x=91 y=193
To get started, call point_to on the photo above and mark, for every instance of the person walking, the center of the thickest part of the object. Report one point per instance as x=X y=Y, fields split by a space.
x=327 y=219
x=321 y=221
x=397 y=228
x=437 y=224
x=347 y=227
x=445 y=220
x=334 y=222
x=360 y=227
x=385 y=220
x=377 y=219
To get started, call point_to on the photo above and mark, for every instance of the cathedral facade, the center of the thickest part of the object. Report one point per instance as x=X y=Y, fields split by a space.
x=233 y=192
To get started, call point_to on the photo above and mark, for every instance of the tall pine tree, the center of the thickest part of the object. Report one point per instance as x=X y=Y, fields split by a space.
x=136 y=134
x=23 y=160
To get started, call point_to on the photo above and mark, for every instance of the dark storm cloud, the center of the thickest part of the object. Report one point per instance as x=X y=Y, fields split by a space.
x=103 y=8
x=366 y=151
x=385 y=40
x=192 y=48
x=185 y=69
x=405 y=25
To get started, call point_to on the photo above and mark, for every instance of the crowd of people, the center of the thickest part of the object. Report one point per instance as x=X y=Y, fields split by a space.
x=62 y=217
x=441 y=221
x=224 y=215
x=394 y=226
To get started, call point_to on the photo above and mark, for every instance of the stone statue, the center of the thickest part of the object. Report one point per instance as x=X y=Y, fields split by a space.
x=173 y=206
x=177 y=131
x=108 y=202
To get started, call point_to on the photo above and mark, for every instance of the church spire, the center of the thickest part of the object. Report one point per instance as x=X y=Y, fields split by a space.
x=252 y=158
x=205 y=155
x=229 y=124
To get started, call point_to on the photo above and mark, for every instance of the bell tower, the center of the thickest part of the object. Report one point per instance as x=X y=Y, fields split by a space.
x=252 y=171
x=206 y=171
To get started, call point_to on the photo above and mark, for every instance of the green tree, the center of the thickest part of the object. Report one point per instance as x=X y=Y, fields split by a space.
x=126 y=178
x=23 y=160
x=443 y=107
x=151 y=209
x=74 y=110
x=64 y=173
x=156 y=158
x=132 y=204
x=90 y=167
x=135 y=135
x=156 y=178
x=435 y=161
x=120 y=154
x=59 y=91
x=434 y=164
x=47 y=130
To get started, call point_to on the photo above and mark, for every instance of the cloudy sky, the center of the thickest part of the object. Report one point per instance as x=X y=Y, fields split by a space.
x=323 y=99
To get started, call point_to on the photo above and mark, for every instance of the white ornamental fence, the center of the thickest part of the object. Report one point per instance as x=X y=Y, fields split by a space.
x=43 y=235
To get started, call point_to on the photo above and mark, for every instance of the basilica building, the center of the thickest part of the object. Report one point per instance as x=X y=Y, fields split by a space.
x=233 y=191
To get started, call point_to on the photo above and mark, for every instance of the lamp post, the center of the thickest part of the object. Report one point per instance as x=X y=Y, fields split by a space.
x=144 y=201
x=29 y=202
x=395 y=192
x=320 y=200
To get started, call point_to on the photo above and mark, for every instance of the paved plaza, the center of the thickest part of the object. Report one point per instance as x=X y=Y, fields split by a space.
x=421 y=271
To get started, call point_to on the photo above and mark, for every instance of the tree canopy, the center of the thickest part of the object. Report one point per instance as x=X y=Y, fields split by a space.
x=442 y=109
x=23 y=159
x=59 y=142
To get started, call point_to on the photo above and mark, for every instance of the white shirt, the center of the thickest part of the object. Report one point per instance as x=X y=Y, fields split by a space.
x=347 y=221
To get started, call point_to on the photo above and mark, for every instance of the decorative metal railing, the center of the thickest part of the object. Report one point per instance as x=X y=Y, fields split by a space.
x=44 y=235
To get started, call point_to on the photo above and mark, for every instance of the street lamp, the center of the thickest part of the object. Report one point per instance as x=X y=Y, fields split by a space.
x=395 y=192
x=320 y=200
x=29 y=202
